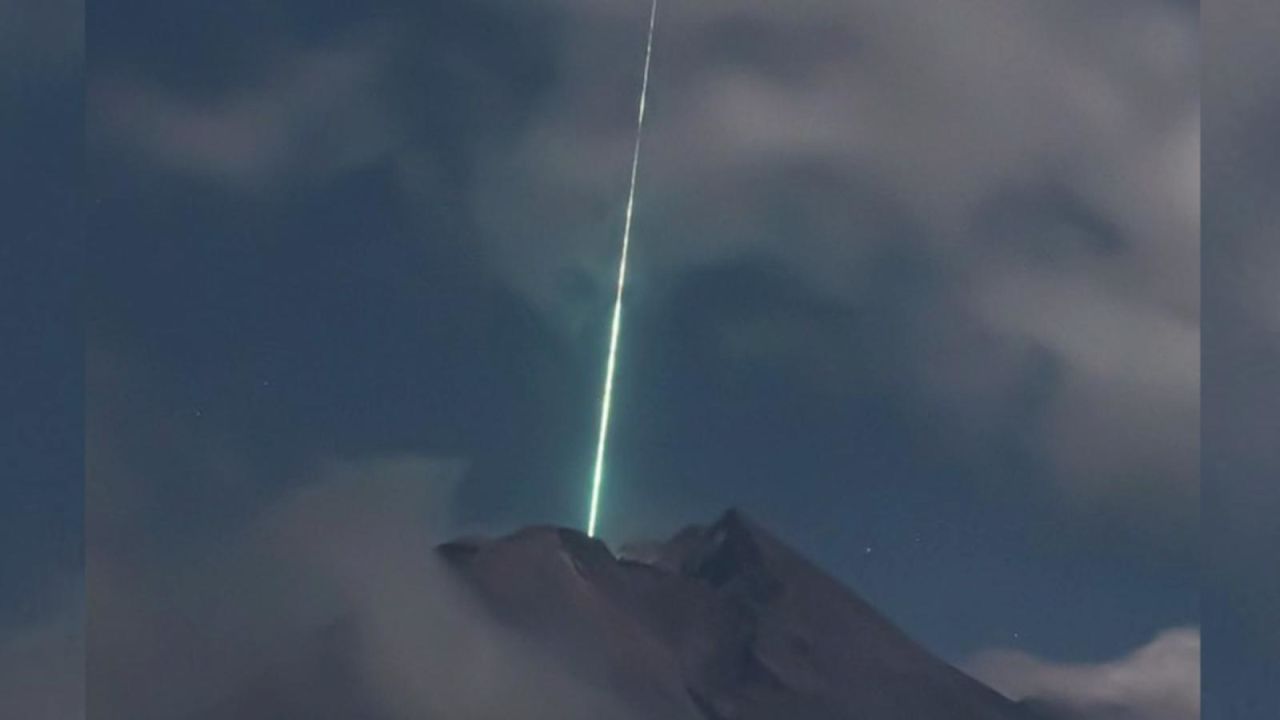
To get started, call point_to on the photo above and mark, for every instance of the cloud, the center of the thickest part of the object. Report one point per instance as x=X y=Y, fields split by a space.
x=1160 y=681
x=329 y=597
x=425 y=647
x=1040 y=162
x=217 y=588
x=315 y=112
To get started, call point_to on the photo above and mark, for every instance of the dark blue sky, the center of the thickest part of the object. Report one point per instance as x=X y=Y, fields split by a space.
x=934 y=338
x=312 y=298
x=41 y=123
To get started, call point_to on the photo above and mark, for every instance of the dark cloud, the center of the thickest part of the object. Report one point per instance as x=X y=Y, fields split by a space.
x=315 y=113
x=327 y=235
x=742 y=158
x=914 y=277
x=785 y=134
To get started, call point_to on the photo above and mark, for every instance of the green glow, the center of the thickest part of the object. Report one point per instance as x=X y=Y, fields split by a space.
x=607 y=404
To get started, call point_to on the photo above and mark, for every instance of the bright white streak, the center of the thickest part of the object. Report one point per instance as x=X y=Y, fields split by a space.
x=607 y=404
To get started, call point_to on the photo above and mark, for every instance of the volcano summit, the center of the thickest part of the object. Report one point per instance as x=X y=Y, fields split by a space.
x=722 y=622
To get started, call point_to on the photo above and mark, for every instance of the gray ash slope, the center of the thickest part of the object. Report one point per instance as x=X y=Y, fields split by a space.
x=722 y=622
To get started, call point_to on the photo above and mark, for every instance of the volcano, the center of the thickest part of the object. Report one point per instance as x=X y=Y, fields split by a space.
x=721 y=622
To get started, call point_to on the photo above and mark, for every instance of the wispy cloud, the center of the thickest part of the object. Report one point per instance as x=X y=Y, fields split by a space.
x=329 y=597
x=1160 y=681
x=1041 y=160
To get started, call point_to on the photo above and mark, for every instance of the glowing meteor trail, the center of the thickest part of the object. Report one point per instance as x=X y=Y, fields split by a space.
x=607 y=404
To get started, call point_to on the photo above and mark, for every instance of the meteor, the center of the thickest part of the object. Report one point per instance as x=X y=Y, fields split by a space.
x=607 y=403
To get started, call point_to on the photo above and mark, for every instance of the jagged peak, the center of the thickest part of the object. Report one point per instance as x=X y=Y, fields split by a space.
x=742 y=613
x=727 y=554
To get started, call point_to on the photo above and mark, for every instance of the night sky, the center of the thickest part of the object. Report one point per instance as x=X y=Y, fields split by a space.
x=915 y=285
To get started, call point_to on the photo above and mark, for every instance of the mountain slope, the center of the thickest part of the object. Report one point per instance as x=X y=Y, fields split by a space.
x=723 y=622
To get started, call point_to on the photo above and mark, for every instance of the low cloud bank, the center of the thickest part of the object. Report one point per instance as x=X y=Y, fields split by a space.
x=1160 y=681
x=330 y=598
